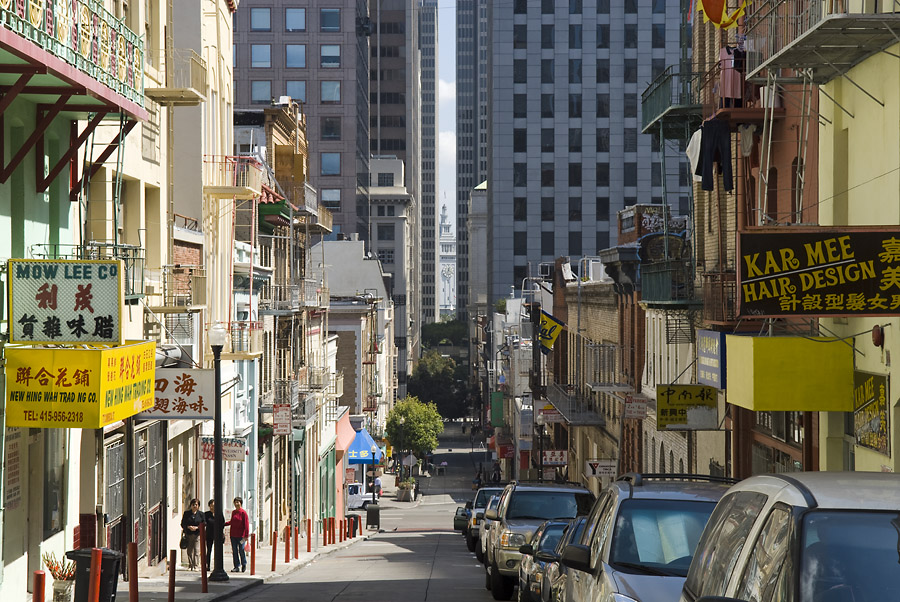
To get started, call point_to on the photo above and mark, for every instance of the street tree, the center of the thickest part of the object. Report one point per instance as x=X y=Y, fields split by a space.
x=414 y=426
x=438 y=379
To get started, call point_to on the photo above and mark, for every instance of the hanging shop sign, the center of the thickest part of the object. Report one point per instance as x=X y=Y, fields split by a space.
x=686 y=408
x=870 y=411
x=594 y=469
x=711 y=358
x=496 y=408
x=556 y=457
x=64 y=302
x=78 y=388
x=551 y=415
x=183 y=395
x=635 y=408
x=819 y=272
x=282 y=417
x=234 y=449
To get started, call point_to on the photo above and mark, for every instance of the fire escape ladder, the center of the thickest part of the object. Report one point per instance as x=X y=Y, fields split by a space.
x=765 y=163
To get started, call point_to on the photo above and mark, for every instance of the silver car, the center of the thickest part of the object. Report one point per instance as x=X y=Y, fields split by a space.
x=484 y=528
x=640 y=537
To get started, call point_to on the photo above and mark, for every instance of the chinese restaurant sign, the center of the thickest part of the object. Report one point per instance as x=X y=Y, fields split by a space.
x=234 y=449
x=183 y=394
x=819 y=272
x=65 y=302
x=78 y=388
x=556 y=457
x=686 y=407
x=870 y=411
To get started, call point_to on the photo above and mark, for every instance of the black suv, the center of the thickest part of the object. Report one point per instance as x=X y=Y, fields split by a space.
x=523 y=506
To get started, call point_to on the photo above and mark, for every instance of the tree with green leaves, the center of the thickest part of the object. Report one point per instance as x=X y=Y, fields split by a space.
x=414 y=426
x=438 y=379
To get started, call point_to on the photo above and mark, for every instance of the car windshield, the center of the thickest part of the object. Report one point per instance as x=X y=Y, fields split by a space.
x=482 y=497
x=851 y=556
x=549 y=504
x=658 y=536
x=551 y=536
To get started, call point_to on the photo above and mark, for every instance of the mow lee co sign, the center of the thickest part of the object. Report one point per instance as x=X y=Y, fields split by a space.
x=847 y=271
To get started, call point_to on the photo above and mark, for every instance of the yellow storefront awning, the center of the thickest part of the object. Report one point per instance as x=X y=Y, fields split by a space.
x=777 y=374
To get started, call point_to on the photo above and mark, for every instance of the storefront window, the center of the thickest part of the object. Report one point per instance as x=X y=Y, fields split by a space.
x=54 y=480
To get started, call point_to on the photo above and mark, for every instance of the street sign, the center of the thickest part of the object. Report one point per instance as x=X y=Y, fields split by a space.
x=282 y=417
x=551 y=415
x=556 y=457
x=594 y=469
x=635 y=408
x=233 y=449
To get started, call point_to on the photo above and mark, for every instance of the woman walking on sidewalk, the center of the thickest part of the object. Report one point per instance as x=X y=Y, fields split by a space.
x=190 y=527
x=240 y=531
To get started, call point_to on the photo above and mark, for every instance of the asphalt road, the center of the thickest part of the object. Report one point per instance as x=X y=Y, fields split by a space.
x=417 y=556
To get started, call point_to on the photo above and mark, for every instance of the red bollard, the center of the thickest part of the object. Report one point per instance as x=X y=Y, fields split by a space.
x=274 y=548
x=341 y=530
x=96 y=561
x=38 y=590
x=132 y=572
x=287 y=544
x=173 y=558
x=253 y=553
x=333 y=521
x=308 y=535
x=324 y=532
x=296 y=543
x=204 y=562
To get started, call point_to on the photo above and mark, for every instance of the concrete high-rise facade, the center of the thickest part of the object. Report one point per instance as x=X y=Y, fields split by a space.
x=395 y=120
x=428 y=37
x=471 y=127
x=564 y=142
x=316 y=53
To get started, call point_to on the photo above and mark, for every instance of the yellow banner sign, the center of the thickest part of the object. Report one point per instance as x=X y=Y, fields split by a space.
x=550 y=329
x=686 y=407
x=78 y=388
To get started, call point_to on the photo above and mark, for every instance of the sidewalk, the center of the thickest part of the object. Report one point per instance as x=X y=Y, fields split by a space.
x=187 y=583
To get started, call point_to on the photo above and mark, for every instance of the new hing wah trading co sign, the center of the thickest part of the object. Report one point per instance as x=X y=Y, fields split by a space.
x=819 y=272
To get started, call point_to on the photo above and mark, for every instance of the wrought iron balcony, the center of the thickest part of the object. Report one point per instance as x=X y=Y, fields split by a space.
x=238 y=177
x=667 y=282
x=246 y=340
x=310 y=293
x=286 y=391
x=825 y=37
x=603 y=363
x=131 y=256
x=316 y=378
x=672 y=101
x=185 y=79
x=280 y=297
x=576 y=409
x=720 y=297
x=180 y=289
x=336 y=385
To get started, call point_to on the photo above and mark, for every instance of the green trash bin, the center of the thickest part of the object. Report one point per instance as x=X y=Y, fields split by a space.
x=110 y=566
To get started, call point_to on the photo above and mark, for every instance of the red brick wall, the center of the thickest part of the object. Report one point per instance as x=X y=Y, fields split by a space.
x=188 y=254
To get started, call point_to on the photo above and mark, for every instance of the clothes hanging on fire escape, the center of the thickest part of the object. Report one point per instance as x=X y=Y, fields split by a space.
x=715 y=146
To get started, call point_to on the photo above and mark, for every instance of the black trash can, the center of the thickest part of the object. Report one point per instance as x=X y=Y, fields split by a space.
x=352 y=523
x=373 y=517
x=110 y=567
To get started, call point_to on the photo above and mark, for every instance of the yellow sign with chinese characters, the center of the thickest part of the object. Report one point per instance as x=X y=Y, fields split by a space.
x=686 y=407
x=78 y=388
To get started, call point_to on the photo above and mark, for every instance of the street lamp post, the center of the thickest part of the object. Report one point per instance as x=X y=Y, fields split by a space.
x=540 y=422
x=218 y=336
x=374 y=451
x=402 y=421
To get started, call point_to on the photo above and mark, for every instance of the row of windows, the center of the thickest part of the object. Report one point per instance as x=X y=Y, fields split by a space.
x=629 y=109
x=261 y=91
x=294 y=56
x=548 y=243
x=548 y=209
x=576 y=7
x=575 y=71
x=576 y=36
x=548 y=140
x=547 y=174
x=295 y=19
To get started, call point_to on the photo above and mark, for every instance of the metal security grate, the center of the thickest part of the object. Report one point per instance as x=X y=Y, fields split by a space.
x=679 y=328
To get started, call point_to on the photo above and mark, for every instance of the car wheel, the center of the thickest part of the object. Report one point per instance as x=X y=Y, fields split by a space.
x=470 y=541
x=487 y=578
x=479 y=554
x=365 y=505
x=501 y=587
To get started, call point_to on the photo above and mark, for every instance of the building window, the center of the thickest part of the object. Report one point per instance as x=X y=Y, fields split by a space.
x=331 y=198
x=55 y=485
x=520 y=209
x=574 y=7
x=547 y=7
x=520 y=36
x=331 y=164
x=520 y=7
x=331 y=128
x=574 y=140
x=296 y=90
x=548 y=209
x=386 y=179
x=520 y=71
x=602 y=7
x=520 y=105
x=576 y=40
x=574 y=243
x=631 y=71
x=659 y=35
x=575 y=208
x=574 y=174
x=630 y=7
x=330 y=19
x=260 y=56
x=603 y=105
x=331 y=92
x=602 y=140
x=520 y=140
x=547 y=140
x=386 y=232
x=602 y=241
x=330 y=56
x=602 y=35
x=629 y=173
x=631 y=141
x=602 y=71
x=386 y=255
x=295 y=19
x=546 y=105
x=659 y=6
x=295 y=56
x=546 y=71
x=520 y=243
x=261 y=19
x=261 y=92
x=630 y=105
x=546 y=174
x=602 y=174
x=602 y=208
x=547 y=36
x=574 y=71
x=631 y=35
x=520 y=174
x=575 y=105
x=547 y=243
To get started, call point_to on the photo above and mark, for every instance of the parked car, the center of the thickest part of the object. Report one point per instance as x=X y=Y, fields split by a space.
x=478 y=504
x=460 y=519
x=553 y=586
x=536 y=555
x=484 y=528
x=523 y=506
x=640 y=537
x=802 y=537
x=357 y=497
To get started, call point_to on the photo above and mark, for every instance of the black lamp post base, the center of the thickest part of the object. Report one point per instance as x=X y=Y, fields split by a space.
x=218 y=575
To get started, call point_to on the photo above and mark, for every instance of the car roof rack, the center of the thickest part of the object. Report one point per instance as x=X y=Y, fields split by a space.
x=547 y=482
x=636 y=479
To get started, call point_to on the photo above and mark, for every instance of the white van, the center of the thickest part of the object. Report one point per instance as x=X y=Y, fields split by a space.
x=357 y=497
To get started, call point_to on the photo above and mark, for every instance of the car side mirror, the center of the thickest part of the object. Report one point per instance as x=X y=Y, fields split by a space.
x=491 y=514
x=526 y=549
x=479 y=515
x=468 y=505
x=545 y=556
x=578 y=557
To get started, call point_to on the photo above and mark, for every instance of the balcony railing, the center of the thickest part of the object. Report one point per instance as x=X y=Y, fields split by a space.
x=316 y=378
x=246 y=340
x=286 y=391
x=182 y=288
x=826 y=36
x=720 y=297
x=239 y=177
x=185 y=78
x=132 y=257
x=575 y=408
x=336 y=385
x=673 y=94
x=283 y=297
x=310 y=294
x=603 y=361
x=667 y=281
x=89 y=38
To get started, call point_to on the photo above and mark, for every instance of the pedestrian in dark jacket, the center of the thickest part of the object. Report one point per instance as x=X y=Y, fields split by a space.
x=190 y=527
x=210 y=518
x=240 y=531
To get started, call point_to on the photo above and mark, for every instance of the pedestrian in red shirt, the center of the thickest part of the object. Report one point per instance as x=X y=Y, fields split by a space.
x=240 y=531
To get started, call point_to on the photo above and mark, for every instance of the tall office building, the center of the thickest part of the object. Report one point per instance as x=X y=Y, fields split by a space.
x=395 y=128
x=318 y=55
x=471 y=127
x=428 y=35
x=565 y=149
